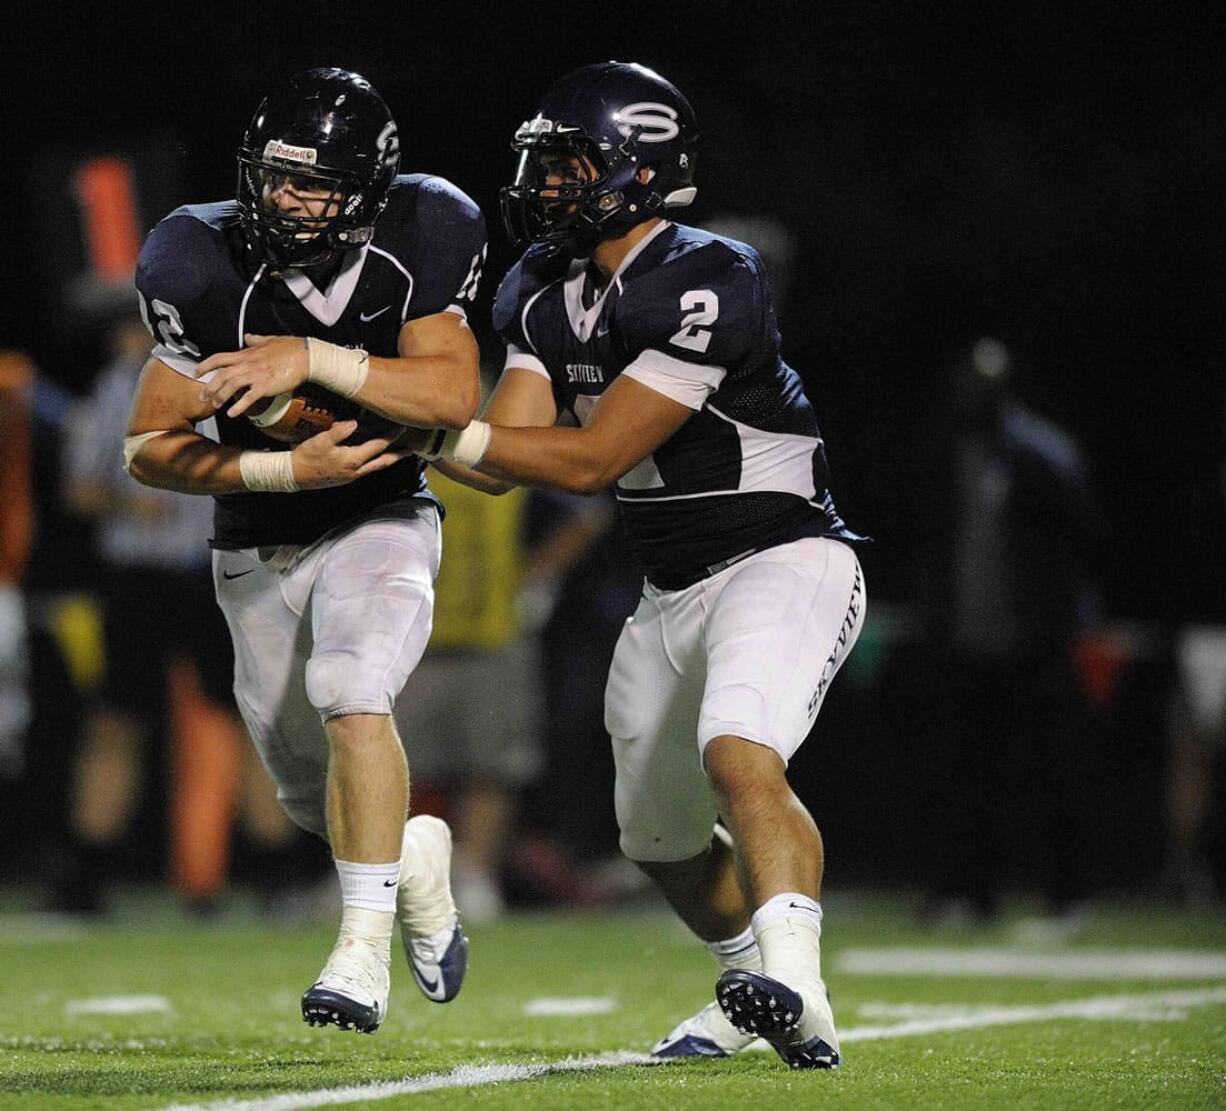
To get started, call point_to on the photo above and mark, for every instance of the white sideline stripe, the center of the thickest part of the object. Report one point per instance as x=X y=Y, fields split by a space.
x=1082 y=964
x=463 y=1076
x=1164 y=1005
x=579 y=1005
x=118 y=1005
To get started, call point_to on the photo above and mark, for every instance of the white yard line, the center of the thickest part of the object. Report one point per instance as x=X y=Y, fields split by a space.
x=118 y=1005
x=1163 y=1005
x=463 y=1076
x=1167 y=1004
x=576 y=1005
x=1076 y=964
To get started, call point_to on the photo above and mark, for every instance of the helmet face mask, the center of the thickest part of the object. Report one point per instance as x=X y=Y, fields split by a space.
x=560 y=190
x=627 y=137
x=315 y=168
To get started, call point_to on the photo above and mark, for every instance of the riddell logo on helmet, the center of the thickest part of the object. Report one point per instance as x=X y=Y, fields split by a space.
x=655 y=123
x=274 y=148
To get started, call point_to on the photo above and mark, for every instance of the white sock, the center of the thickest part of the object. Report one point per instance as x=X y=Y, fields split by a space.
x=737 y=952
x=786 y=905
x=788 y=928
x=369 y=886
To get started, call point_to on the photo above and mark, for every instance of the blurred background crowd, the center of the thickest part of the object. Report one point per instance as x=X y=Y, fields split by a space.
x=994 y=240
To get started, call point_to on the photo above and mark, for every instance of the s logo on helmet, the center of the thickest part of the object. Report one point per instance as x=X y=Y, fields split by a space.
x=656 y=123
x=388 y=142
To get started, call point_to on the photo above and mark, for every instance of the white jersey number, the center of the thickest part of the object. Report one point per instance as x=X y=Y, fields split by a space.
x=701 y=307
x=169 y=327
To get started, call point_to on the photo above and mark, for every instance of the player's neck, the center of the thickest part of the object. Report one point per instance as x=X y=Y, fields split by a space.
x=610 y=253
x=321 y=276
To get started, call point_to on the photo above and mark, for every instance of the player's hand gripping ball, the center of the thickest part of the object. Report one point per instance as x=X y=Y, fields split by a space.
x=294 y=416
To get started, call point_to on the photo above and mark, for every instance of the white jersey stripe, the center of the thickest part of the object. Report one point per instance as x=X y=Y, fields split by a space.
x=242 y=309
x=521 y=360
x=404 y=309
x=689 y=384
x=329 y=306
x=523 y=317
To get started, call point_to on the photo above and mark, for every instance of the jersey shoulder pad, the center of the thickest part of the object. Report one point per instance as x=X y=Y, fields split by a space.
x=537 y=268
x=182 y=272
x=437 y=233
x=701 y=300
x=182 y=255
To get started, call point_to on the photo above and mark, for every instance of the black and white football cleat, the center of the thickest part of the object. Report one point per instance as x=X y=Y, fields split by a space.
x=799 y=1028
x=352 y=989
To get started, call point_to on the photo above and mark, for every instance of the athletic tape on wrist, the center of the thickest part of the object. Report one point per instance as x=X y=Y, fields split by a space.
x=269 y=472
x=342 y=370
x=467 y=445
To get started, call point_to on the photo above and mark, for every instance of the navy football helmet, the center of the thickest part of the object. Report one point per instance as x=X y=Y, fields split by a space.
x=329 y=135
x=580 y=176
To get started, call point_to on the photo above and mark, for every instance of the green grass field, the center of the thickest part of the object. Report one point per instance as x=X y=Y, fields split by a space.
x=1132 y=1013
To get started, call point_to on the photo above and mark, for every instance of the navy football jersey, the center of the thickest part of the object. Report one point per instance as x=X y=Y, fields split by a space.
x=687 y=314
x=201 y=291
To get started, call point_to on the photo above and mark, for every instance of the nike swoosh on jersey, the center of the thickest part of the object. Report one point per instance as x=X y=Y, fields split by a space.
x=390 y=883
x=237 y=574
x=366 y=318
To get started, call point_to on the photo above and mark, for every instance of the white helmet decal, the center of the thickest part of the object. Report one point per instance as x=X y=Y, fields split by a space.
x=274 y=148
x=388 y=142
x=658 y=122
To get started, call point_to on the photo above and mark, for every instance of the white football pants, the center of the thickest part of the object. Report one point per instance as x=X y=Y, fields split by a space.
x=329 y=629
x=749 y=652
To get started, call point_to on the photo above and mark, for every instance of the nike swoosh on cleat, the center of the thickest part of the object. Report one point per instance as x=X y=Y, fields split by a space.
x=237 y=574
x=366 y=318
x=427 y=985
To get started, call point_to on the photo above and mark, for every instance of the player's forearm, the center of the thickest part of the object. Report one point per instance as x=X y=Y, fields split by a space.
x=188 y=463
x=469 y=477
x=571 y=459
x=424 y=391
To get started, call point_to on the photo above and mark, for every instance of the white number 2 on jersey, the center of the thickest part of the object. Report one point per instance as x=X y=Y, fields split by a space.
x=704 y=306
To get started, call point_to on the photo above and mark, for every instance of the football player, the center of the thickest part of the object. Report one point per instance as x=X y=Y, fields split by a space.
x=331 y=277
x=661 y=342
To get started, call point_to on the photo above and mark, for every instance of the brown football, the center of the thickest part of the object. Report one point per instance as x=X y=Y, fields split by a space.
x=292 y=417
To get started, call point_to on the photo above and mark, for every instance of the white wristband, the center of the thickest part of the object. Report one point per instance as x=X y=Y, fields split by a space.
x=466 y=445
x=342 y=370
x=268 y=471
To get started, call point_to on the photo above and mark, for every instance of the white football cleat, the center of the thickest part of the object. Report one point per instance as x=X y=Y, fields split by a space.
x=705 y=1034
x=353 y=987
x=434 y=941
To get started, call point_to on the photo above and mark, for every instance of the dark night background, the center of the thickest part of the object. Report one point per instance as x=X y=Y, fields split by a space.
x=1044 y=172
x=1048 y=173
